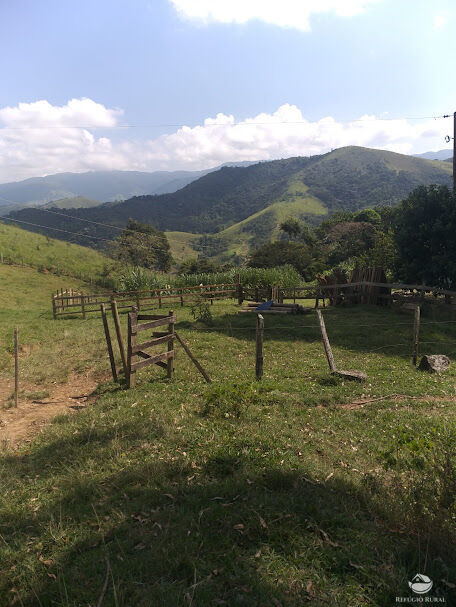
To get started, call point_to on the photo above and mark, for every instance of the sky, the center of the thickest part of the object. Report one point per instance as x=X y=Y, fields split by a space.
x=189 y=84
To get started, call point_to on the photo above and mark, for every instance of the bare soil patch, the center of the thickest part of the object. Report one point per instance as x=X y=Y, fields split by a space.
x=19 y=425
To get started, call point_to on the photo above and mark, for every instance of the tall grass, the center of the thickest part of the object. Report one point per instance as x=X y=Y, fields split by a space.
x=140 y=279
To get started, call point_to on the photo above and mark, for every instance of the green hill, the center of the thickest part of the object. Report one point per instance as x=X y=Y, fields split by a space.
x=18 y=246
x=237 y=207
x=76 y=202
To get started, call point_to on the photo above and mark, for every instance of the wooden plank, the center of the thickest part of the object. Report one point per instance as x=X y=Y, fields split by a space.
x=152 y=316
x=152 y=360
x=108 y=342
x=170 y=366
x=131 y=371
x=154 y=323
x=120 y=340
x=192 y=357
x=153 y=342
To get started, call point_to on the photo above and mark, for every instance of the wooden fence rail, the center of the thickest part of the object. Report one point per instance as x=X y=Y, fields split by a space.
x=138 y=350
x=70 y=302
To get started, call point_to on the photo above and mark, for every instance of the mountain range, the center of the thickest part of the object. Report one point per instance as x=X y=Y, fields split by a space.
x=101 y=186
x=227 y=212
x=439 y=155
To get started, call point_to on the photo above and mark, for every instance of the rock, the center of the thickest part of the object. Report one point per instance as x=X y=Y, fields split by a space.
x=434 y=363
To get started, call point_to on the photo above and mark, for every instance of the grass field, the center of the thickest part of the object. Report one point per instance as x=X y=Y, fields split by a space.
x=49 y=350
x=287 y=491
x=19 y=246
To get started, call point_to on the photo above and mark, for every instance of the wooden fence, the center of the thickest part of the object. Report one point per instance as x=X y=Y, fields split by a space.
x=364 y=292
x=135 y=349
x=67 y=302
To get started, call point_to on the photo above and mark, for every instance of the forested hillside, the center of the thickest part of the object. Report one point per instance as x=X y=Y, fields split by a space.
x=257 y=197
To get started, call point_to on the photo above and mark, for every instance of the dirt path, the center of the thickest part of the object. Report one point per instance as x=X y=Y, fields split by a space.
x=19 y=425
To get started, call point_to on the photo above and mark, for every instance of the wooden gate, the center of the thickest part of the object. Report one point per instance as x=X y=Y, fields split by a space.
x=138 y=350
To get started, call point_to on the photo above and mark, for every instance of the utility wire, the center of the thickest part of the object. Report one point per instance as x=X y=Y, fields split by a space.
x=242 y=123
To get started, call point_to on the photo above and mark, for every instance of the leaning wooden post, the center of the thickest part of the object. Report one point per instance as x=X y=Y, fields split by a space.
x=192 y=357
x=328 y=351
x=416 y=334
x=259 y=347
x=108 y=341
x=16 y=366
x=132 y=333
x=170 y=362
x=120 y=341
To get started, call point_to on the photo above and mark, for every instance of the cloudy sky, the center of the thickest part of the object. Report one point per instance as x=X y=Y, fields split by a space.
x=189 y=84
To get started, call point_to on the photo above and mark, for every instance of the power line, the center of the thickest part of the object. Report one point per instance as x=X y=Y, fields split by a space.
x=37 y=225
x=245 y=122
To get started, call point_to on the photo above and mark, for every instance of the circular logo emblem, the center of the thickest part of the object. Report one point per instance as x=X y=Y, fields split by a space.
x=420 y=584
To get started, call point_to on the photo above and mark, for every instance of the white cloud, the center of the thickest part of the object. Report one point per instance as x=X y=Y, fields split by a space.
x=440 y=21
x=33 y=146
x=283 y=13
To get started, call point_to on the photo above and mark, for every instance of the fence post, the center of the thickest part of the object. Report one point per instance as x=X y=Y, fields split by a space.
x=240 y=291
x=108 y=342
x=416 y=334
x=16 y=366
x=54 y=311
x=182 y=297
x=83 y=305
x=120 y=341
x=170 y=361
x=132 y=332
x=259 y=347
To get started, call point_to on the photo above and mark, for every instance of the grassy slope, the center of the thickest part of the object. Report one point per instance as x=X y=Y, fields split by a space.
x=75 y=202
x=20 y=246
x=181 y=245
x=295 y=202
x=57 y=348
x=238 y=493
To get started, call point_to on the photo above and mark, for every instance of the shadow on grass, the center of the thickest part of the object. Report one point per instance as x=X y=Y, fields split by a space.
x=231 y=531
x=383 y=330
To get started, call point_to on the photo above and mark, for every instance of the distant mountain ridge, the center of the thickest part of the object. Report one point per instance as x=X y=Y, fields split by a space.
x=235 y=208
x=439 y=155
x=105 y=186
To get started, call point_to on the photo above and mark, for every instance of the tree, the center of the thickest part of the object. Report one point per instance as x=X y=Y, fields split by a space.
x=349 y=239
x=425 y=236
x=291 y=227
x=280 y=253
x=140 y=244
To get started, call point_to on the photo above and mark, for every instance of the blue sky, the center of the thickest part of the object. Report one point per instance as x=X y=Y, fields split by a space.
x=319 y=66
